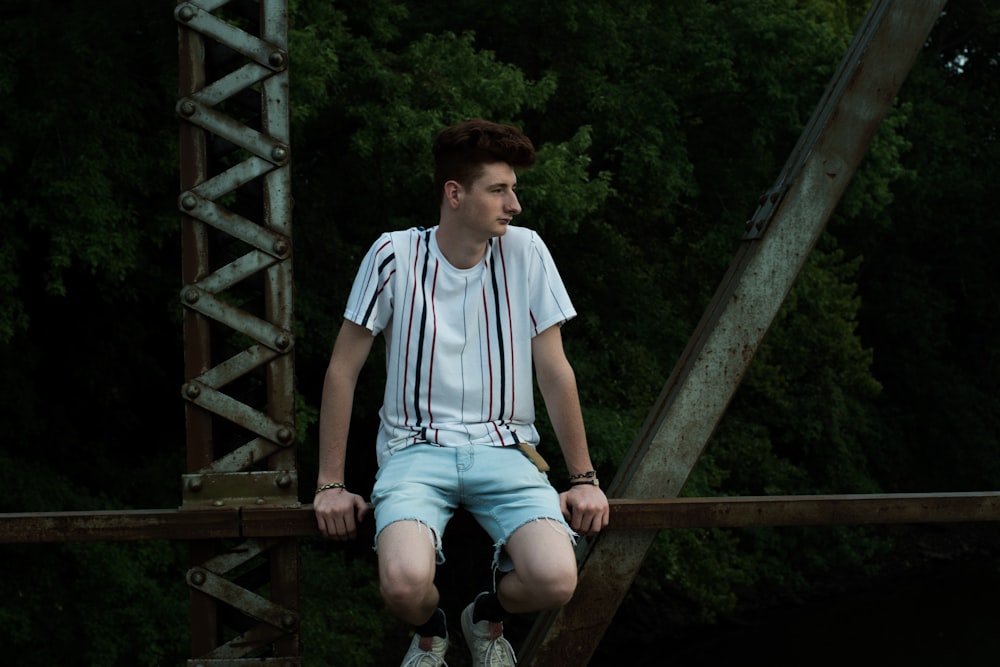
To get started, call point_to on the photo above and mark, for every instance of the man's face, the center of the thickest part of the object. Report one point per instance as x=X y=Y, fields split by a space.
x=489 y=203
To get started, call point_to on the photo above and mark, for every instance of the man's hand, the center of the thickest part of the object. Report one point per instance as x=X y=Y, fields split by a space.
x=585 y=508
x=338 y=513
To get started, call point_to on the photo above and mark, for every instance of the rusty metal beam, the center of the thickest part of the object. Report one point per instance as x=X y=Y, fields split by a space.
x=778 y=240
x=113 y=526
x=824 y=510
x=626 y=515
x=235 y=199
x=741 y=512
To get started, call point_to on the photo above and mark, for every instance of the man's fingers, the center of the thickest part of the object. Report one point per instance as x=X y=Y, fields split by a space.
x=586 y=514
x=336 y=520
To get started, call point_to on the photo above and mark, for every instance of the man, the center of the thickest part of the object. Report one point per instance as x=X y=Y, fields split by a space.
x=468 y=309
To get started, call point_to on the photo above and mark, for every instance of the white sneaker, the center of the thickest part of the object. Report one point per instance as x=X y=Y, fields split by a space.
x=486 y=642
x=426 y=652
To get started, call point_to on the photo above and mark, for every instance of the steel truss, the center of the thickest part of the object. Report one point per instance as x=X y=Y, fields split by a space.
x=235 y=205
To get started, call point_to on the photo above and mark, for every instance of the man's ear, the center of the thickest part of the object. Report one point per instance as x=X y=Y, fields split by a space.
x=453 y=193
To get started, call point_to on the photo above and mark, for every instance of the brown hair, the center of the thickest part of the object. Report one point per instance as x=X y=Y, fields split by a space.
x=461 y=150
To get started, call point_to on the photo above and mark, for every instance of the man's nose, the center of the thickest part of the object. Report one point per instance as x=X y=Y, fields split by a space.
x=513 y=205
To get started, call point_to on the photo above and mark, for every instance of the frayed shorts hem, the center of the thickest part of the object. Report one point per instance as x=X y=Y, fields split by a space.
x=499 y=486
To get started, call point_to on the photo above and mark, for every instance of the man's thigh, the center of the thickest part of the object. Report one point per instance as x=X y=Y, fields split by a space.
x=543 y=550
x=416 y=485
x=407 y=552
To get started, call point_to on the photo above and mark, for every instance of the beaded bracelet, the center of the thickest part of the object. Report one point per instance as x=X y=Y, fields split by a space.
x=333 y=485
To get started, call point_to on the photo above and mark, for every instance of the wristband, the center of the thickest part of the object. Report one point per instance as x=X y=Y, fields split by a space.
x=333 y=485
x=590 y=474
x=585 y=482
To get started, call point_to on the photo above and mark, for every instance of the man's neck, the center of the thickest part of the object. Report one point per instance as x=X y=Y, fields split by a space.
x=461 y=252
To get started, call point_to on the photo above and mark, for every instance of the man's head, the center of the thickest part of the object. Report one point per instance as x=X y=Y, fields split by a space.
x=462 y=150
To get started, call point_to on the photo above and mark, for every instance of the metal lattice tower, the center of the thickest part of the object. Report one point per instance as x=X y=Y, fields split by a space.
x=235 y=207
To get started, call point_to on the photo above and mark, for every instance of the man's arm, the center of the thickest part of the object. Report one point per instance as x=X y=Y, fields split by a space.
x=585 y=506
x=338 y=510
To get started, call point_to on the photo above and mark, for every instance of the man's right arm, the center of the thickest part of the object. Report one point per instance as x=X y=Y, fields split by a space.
x=337 y=510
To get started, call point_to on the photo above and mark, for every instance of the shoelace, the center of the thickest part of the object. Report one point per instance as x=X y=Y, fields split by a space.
x=425 y=644
x=498 y=650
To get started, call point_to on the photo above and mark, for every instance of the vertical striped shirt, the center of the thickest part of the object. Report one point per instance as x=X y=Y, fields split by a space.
x=458 y=341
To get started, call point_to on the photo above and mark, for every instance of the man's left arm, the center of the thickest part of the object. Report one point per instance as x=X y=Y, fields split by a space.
x=584 y=505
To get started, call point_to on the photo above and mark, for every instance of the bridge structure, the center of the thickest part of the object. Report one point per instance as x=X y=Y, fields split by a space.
x=239 y=510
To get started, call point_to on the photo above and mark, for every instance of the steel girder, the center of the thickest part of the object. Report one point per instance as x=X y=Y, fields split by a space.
x=235 y=205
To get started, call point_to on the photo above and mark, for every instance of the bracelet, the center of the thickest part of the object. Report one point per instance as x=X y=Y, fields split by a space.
x=590 y=474
x=333 y=485
x=587 y=482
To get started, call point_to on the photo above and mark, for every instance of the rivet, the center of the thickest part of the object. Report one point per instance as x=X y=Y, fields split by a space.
x=775 y=196
x=186 y=13
x=280 y=247
x=288 y=620
x=196 y=484
x=187 y=108
x=217 y=503
x=259 y=501
x=284 y=435
x=282 y=341
x=284 y=481
x=191 y=295
x=197 y=578
x=192 y=390
x=279 y=154
x=188 y=201
x=276 y=59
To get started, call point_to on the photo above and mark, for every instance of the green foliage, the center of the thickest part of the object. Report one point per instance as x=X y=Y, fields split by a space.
x=343 y=620
x=704 y=566
x=930 y=277
x=113 y=604
x=807 y=387
x=87 y=147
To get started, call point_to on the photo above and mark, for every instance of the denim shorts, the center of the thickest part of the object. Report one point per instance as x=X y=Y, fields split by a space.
x=499 y=486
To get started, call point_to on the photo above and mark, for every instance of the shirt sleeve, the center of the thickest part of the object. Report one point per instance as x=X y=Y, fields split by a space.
x=370 y=302
x=550 y=302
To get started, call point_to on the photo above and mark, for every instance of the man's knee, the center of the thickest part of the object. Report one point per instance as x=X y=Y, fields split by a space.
x=406 y=565
x=545 y=563
x=555 y=587
x=402 y=587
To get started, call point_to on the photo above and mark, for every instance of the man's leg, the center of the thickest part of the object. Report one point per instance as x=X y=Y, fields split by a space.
x=545 y=568
x=544 y=577
x=406 y=563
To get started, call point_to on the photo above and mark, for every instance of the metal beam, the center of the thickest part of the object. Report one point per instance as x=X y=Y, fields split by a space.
x=778 y=240
x=235 y=200
x=117 y=526
x=626 y=515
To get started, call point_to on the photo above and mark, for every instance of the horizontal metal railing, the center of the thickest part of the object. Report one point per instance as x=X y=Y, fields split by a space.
x=626 y=514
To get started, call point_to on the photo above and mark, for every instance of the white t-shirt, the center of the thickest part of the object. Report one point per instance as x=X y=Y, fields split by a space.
x=458 y=341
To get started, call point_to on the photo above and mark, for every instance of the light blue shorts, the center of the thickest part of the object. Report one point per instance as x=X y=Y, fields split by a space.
x=499 y=486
